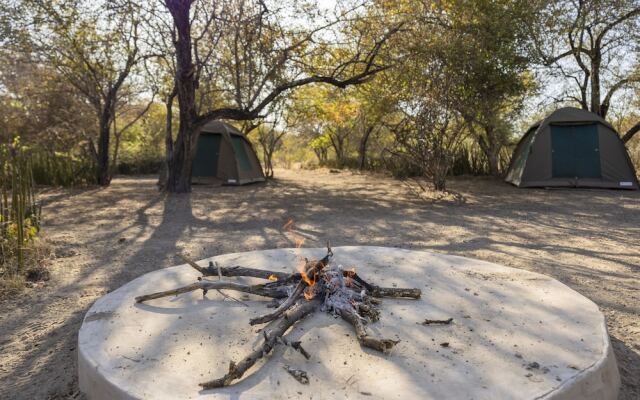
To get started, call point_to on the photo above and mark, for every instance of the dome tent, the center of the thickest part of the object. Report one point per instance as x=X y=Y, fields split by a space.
x=224 y=153
x=572 y=148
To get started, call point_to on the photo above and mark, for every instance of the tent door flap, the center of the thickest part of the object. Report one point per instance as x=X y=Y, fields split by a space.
x=575 y=151
x=207 y=155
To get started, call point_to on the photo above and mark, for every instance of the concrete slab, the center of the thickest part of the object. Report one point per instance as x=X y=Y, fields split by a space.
x=515 y=335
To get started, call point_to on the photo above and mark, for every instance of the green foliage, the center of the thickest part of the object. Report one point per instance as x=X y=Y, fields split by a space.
x=61 y=169
x=142 y=144
x=19 y=210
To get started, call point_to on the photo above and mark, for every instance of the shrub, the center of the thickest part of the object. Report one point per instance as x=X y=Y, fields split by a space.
x=57 y=169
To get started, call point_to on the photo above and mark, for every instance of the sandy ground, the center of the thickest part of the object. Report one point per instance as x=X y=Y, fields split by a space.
x=588 y=239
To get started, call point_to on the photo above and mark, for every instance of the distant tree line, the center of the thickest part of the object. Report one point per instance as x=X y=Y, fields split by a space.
x=416 y=87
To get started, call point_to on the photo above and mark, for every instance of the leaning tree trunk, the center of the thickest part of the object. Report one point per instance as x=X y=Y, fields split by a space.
x=491 y=150
x=179 y=166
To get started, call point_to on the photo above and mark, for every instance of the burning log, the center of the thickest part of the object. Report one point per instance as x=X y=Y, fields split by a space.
x=317 y=286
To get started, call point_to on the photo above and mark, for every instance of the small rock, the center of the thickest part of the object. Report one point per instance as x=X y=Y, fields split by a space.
x=300 y=375
x=444 y=344
x=533 y=365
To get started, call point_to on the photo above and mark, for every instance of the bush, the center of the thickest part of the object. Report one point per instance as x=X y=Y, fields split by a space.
x=142 y=166
x=469 y=160
x=56 y=169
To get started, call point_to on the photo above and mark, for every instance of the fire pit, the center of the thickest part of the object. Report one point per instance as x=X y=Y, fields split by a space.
x=357 y=322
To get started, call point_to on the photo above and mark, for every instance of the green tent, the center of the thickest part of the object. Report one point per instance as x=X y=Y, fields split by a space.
x=223 y=153
x=572 y=148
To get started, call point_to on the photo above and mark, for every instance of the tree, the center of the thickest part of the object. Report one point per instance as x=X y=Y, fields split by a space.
x=376 y=104
x=39 y=105
x=433 y=123
x=592 y=46
x=241 y=55
x=480 y=44
x=269 y=134
x=427 y=139
x=96 y=49
x=488 y=38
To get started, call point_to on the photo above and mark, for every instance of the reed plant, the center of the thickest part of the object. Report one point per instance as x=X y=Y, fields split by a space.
x=20 y=212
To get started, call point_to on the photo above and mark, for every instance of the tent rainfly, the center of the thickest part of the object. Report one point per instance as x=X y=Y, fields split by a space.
x=572 y=148
x=224 y=153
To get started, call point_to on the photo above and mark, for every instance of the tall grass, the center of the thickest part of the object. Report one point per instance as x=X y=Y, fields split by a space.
x=19 y=210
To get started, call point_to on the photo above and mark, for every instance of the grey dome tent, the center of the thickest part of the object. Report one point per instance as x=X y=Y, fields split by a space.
x=222 y=152
x=572 y=148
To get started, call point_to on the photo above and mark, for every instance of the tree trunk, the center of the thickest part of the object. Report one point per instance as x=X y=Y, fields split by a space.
x=168 y=140
x=179 y=166
x=338 y=146
x=267 y=155
x=491 y=150
x=116 y=147
x=631 y=132
x=362 y=149
x=595 y=85
x=102 y=162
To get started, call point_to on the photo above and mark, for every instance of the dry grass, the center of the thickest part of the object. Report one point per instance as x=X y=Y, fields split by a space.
x=38 y=255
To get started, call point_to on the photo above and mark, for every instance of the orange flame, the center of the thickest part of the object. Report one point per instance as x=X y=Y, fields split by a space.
x=288 y=226
x=348 y=276
x=273 y=278
x=306 y=278
x=299 y=241
x=310 y=280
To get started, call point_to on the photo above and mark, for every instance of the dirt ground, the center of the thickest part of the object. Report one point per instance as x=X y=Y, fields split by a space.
x=103 y=238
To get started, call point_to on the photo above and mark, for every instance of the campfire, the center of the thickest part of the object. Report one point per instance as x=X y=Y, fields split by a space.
x=318 y=286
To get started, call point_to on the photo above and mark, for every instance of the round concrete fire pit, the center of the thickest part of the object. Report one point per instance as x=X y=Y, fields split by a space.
x=514 y=335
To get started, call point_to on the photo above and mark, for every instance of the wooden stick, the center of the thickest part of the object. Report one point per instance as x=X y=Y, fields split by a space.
x=378 y=291
x=223 y=293
x=294 y=345
x=382 y=345
x=273 y=331
x=277 y=292
x=237 y=270
x=437 y=321
x=297 y=292
x=411 y=293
